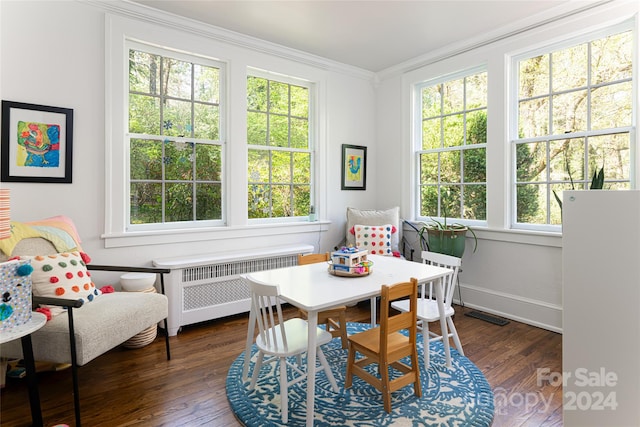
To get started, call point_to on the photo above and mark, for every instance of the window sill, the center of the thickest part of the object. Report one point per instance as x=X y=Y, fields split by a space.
x=141 y=238
x=526 y=237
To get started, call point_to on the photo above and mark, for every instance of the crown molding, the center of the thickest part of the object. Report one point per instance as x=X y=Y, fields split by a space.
x=148 y=14
x=515 y=28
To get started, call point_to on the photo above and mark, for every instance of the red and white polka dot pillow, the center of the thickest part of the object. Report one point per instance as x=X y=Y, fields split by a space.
x=62 y=275
x=374 y=238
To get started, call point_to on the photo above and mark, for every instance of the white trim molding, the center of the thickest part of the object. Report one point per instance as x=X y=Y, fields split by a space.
x=520 y=309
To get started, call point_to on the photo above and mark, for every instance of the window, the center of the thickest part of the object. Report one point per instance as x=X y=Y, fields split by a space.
x=175 y=138
x=574 y=117
x=280 y=155
x=451 y=147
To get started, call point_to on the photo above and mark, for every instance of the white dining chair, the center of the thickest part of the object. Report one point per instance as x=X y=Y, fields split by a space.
x=333 y=319
x=428 y=306
x=281 y=340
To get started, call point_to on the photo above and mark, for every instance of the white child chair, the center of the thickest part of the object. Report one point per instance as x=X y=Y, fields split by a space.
x=281 y=340
x=428 y=306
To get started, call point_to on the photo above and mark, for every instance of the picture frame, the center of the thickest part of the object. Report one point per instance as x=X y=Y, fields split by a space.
x=37 y=143
x=354 y=167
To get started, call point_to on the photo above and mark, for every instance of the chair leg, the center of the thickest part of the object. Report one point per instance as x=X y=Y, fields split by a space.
x=256 y=370
x=351 y=358
x=343 y=330
x=454 y=333
x=74 y=367
x=415 y=365
x=284 y=391
x=425 y=343
x=166 y=326
x=386 y=388
x=166 y=338
x=327 y=370
x=76 y=392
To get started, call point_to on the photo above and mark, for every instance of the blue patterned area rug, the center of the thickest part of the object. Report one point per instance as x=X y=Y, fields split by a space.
x=456 y=396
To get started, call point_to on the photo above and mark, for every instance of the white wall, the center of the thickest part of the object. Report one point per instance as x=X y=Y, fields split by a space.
x=514 y=274
x=52 y=53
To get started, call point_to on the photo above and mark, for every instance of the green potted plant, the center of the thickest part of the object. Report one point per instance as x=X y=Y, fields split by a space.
x=445 y=238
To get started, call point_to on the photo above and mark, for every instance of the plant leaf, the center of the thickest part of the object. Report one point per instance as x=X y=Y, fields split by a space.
x=597 y=183
x=557 y=199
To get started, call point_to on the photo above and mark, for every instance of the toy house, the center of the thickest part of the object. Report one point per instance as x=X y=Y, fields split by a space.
x=348 y=259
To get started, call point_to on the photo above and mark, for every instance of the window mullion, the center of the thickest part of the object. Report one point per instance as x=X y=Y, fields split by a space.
x=194 y=205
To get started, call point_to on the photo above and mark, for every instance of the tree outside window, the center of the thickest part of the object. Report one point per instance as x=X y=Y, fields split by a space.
x=280 y=158
x=574 y=115
x=174 y=139
x=452 y=148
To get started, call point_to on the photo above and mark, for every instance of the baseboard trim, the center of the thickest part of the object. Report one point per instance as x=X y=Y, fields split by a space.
x=520 y=309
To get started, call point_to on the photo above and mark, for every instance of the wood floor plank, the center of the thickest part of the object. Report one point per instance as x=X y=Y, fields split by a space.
x=140 y=387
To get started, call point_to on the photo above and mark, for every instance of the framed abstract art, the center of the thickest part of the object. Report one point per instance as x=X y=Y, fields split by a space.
x=354 y=167
x=37 y=143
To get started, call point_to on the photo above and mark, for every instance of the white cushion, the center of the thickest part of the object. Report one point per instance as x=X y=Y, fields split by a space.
x=374 y=217
x=100 y=326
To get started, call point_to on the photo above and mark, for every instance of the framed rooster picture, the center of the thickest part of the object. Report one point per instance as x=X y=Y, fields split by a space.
x=37 y=143
x=354 y=167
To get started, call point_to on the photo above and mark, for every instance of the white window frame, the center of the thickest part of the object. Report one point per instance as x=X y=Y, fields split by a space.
x=313 y=135
x=239 y=55
x=201 y=60
x=417 y=139
x=513 y=101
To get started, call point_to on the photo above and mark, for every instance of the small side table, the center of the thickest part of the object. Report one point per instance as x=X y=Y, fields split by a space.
x=140 y=282
x=24 y=332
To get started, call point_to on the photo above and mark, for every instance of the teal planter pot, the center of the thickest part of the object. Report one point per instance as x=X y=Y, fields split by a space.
x=448 y=242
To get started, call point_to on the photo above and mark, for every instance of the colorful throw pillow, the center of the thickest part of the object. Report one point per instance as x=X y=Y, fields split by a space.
x=19 y=231
x=374 y=238
x=374 y=217
x=62 y=275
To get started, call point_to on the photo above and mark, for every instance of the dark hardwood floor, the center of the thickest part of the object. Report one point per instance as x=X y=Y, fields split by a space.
x=141 y=388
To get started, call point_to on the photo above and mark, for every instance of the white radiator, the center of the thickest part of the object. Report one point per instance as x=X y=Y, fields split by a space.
x=205 y=287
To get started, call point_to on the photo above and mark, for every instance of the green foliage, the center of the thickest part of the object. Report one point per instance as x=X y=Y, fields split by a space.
x=583 y=126
x=597 y=182
x=172 y=179
x=434 y=224
x=527 y=202
x=440 y=172
x=279 y=180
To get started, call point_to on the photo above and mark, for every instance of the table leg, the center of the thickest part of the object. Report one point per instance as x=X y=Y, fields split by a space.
x=312 y=320
x=32 y=381
x=443 y=323
x=247 y=351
